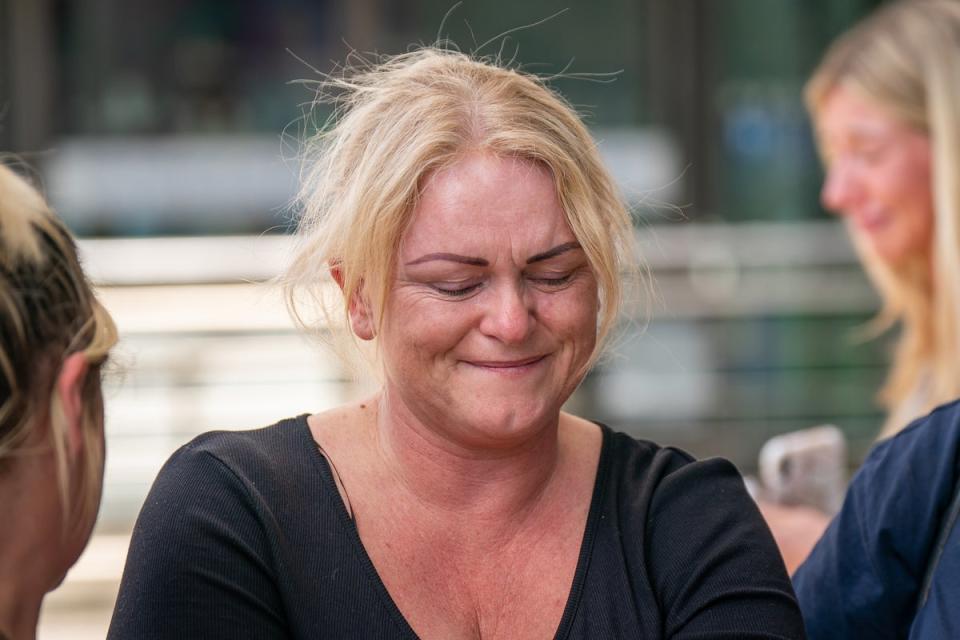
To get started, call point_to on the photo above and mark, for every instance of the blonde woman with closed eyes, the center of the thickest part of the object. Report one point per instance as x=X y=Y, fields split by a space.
x=478 y=243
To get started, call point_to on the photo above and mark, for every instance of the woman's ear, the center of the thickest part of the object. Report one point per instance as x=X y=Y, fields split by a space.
x=337 y=273
x=70 y=385
x=361 y=318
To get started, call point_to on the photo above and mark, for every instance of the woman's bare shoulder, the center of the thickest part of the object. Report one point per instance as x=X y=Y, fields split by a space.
x=345 y=420
x=580 y=443
x=580 y=432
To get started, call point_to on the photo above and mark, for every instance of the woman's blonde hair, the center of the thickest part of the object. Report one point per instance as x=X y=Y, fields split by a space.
x=47 y=312
x=905 y=57
x=403 y=117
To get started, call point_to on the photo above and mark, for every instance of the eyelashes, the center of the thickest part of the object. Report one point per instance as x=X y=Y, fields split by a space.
x=555 y=281
x=456 y=292
x=462 y=291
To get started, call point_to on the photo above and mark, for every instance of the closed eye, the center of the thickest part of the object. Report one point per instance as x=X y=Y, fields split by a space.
x=869 y=155
x=552 y=281
x=455 y=291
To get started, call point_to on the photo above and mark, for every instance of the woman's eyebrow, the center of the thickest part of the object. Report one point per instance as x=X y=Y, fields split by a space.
x=450 y=257
x=552 y=253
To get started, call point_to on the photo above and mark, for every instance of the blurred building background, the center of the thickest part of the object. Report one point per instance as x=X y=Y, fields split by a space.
x=166 y=134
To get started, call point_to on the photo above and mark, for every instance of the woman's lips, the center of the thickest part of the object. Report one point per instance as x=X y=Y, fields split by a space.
x=872 y=221
x=507 y=366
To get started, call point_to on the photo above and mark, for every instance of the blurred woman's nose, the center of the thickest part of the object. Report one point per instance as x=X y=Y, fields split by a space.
x=509 y=316
x=841 y=189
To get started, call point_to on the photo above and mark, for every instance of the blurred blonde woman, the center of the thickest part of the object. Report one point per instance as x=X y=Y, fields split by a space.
x=886 y=103
x=54 y=339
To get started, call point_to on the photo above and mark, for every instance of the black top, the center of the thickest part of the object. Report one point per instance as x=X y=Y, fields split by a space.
x=244 y=535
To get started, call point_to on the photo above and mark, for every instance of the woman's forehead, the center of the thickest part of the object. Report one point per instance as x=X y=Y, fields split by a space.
x=483 y=198
x=478 y=168
x=846 y=113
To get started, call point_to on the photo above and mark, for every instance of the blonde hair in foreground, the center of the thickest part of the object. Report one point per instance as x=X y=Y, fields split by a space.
x=399 y=119
x=906 y=58
x=47 y=312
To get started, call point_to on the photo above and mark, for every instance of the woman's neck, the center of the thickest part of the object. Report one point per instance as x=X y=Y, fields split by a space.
x=19 y=601
x=499 y=484
x=28 y=548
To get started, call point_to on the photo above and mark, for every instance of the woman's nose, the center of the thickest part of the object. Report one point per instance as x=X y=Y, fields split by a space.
x=841 y=189
x=509 y=316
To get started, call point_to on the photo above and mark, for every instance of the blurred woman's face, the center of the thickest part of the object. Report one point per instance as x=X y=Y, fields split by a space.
x=492 y=315
x=878 y=175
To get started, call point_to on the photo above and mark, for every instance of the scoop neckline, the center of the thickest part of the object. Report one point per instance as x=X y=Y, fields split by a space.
x=583 y=559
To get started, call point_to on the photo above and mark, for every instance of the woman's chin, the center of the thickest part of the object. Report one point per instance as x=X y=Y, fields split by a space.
x=893 y=248
x=499 y=427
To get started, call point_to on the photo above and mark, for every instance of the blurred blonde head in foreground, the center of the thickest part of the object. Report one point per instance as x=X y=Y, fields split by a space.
x=55 y=339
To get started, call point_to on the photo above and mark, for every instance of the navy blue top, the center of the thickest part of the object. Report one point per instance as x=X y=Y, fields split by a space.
x=863 y=578
x=244 y=535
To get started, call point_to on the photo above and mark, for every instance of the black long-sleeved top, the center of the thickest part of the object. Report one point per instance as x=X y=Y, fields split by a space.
x=244 y=535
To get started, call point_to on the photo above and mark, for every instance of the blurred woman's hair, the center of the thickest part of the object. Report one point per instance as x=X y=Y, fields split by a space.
x=47 y=312
x=399 y=119
x=905 y=58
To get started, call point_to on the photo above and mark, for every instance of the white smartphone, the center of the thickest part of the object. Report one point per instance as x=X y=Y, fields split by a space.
x=806 y=467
